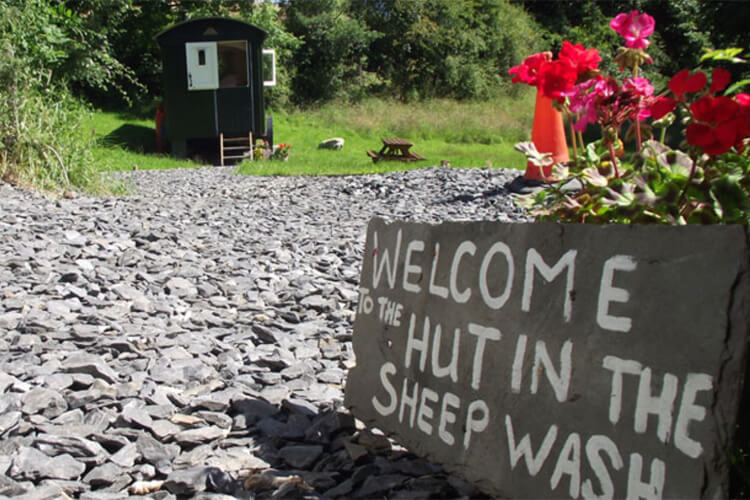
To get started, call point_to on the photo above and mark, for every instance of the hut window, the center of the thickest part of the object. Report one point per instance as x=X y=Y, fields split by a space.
x=201 y=57
x=232 y=63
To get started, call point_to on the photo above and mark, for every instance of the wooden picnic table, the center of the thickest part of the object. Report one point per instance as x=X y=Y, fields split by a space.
x=395 y=149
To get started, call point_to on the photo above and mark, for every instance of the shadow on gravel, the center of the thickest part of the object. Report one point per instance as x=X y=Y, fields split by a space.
x=299 y=452
x=484 y=195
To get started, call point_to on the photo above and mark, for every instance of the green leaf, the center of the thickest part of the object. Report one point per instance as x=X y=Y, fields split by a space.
x=729 y=54
x=622 y=199
x=716 y=204
x=591 y=153
x=737 y=86
x=533 y=155
x=652 y=148
x=677 y=163
x=595 y=178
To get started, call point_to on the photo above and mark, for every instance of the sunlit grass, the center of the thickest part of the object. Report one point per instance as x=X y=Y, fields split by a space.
x=487 y=122
x=462 y=134
x=125 y=142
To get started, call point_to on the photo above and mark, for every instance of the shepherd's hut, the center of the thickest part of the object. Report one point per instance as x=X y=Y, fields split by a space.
x=213 y=86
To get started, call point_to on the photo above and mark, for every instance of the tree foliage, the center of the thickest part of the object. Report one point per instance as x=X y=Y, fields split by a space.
x=331 y=61
x=444 y=48
x=56 y=39
x=329 y=49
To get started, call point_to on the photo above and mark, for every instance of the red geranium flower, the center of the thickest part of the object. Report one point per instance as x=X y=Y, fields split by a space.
x=714 y=109
x=714 y=140
x=558 y=79
x=528 y=71
x=719 y=80
x=743 y=119
x=715 y=128
x=661 y=106
x=584 y=60
x=683 y=82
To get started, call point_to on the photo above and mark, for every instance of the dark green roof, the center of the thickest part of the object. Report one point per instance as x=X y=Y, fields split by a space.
x=210 y=29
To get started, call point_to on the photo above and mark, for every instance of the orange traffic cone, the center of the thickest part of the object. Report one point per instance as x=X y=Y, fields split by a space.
x=548 y=135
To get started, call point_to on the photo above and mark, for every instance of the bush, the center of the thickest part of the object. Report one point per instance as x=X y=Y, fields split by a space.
x=41 y=142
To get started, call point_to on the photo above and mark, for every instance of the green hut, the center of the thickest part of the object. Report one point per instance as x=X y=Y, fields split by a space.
x=213 y=86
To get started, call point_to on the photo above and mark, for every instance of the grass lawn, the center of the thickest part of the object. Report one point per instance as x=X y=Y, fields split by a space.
x=464 y=134
x=124 y=140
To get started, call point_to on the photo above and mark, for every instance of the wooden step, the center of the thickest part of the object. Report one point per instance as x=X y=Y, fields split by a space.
x=244 y=144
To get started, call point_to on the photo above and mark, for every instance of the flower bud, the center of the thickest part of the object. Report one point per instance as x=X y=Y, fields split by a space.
x=630 y=58
x=665 y=121
x=609 y=136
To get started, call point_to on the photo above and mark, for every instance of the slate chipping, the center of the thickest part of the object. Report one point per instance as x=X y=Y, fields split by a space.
x=196 y=334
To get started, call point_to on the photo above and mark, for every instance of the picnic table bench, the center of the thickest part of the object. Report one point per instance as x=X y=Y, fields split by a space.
x=395 y=149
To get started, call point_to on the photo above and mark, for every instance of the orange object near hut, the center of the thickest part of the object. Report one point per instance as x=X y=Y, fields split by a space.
x=548 y=135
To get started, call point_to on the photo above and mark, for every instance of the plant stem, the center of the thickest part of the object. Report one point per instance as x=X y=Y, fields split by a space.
x=573 y=138
x=685 y=188
x=613 y=156
x=638 y=131
x=637 y=121
x=582 y=144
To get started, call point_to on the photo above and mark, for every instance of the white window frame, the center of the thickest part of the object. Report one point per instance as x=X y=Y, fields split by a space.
x=272 y=81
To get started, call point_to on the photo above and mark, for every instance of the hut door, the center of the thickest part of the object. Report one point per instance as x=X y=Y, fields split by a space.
x=202 y=65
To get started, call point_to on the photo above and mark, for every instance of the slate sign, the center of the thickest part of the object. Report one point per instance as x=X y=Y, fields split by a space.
x=547 y=360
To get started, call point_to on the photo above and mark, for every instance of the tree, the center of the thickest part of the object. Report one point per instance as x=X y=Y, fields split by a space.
x=60 y=41
x=331 y=61
x=446 y=48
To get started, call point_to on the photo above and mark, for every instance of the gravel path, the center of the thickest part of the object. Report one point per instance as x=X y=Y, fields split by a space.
x=193 y=339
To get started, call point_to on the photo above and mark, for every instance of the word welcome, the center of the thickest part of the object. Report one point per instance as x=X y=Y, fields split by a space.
x=498 y=260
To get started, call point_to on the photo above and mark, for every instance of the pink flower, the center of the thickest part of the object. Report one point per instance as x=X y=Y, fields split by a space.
x=581 y=102
x=639 y=85
x=634 y=27
x=642 y=89
x=591 y=99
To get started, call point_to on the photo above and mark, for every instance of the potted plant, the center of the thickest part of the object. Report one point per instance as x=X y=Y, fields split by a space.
x=704 y=180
